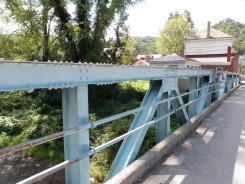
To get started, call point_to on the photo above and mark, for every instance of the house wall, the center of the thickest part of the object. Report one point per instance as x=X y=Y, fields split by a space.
x=189 y=64
x=207 y=46
x=234 y=67
x=176 y=64
x=167 y=64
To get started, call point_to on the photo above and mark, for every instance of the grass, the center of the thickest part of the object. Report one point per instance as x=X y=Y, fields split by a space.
x=25 y=116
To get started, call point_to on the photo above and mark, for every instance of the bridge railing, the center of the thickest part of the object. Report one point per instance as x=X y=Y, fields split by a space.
x=162 y=97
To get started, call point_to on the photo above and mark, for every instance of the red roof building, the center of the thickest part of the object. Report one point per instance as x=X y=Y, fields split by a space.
x=212 y=48
x=175 y=61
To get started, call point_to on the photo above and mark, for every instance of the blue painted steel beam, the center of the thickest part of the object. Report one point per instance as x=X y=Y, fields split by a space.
x=192 y=110
x=75 y=114
x=163 y=126
x=176 y=104
x=203 y=94
x=35 y=75
x=131 y=145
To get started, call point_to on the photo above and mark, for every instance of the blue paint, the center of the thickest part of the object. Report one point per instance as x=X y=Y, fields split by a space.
x=163 y=92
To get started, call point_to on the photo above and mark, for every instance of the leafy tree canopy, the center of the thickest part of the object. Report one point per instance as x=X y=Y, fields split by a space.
x=145 y=45
x=80 y=35
x=235 y=29
x=171 y=39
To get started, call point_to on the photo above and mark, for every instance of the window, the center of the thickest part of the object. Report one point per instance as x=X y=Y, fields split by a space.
x=219 y=70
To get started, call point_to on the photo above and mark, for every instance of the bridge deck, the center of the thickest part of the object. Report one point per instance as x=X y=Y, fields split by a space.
x=214 y=153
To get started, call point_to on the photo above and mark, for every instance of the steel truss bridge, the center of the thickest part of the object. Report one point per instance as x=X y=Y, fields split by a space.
x=163 y=97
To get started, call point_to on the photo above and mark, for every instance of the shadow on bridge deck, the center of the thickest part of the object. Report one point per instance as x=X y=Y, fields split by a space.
x=213 y=154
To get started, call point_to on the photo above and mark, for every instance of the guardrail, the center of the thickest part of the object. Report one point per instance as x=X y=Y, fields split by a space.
x=162 y=97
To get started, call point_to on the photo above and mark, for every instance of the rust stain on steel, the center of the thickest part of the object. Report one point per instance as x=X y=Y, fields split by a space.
x=28 y=144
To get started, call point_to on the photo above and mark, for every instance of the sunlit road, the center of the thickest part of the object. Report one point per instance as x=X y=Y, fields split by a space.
x=213 y=154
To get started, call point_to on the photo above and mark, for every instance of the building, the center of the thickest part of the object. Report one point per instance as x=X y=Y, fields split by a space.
x=175 y=61
x=141 y=62
x=212 y=48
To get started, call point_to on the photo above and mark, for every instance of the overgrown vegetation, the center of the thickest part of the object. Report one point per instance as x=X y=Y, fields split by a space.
x=25 y=116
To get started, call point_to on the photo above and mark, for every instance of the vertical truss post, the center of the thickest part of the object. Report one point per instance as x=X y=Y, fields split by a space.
x=203 y=93
x=208 y=97
x=75 y=113
x=237 y=80
x=163 y=126
x=192 y=110
x=233 y=81
x=228 y=82
x=222 y=82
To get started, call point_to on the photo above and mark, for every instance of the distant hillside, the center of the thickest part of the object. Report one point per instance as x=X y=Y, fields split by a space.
x=145 y=45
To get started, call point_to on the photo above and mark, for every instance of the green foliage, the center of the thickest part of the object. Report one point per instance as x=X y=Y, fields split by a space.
x=25 y=116
x=171 y=39
x=34 y=26
x=235 y=29
x=145 y=45
x=47 y=30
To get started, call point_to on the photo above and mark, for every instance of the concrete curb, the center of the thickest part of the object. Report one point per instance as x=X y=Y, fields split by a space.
x=150 y=158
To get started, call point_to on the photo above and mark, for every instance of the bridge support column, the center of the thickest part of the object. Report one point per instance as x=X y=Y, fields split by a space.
x=228 y=82
x=192 y=110
x=222 y=81
x=203 y=94
x=163 y=126
x=75 y=113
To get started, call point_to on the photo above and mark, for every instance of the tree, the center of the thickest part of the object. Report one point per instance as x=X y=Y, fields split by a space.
x=80 y=35
x=235 y=29
x=84 y=35
x=145 y=45
x=171 y=39
x=34 y=19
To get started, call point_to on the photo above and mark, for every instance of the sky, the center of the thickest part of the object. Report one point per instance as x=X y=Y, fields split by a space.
x=147 y=18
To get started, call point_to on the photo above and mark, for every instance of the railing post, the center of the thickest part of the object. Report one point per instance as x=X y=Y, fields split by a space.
x=228 y=81
x=203 y=94
x=232 y=81
x=75 y=113
x=192 y=110
x=163 y=126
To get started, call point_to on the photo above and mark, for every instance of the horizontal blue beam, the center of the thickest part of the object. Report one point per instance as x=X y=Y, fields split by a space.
x=35 y=75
